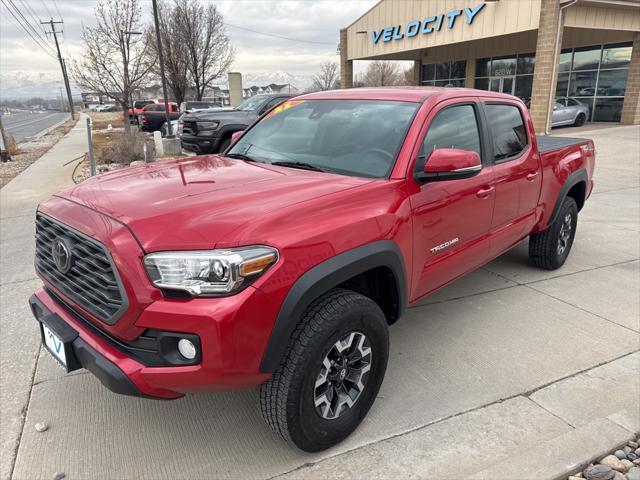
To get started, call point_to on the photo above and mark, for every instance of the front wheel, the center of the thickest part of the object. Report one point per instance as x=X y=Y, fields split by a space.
x=550 y=249
x=331 y=372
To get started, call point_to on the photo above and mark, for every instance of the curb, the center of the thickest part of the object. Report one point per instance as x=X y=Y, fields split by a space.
x=559 y=457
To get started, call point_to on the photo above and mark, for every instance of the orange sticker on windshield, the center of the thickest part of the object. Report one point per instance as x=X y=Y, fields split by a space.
x=282 y=107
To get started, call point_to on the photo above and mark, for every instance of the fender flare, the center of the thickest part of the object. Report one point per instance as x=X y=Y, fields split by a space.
x=322 y=278
x=572 y=180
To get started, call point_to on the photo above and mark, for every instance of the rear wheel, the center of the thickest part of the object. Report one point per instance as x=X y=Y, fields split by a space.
x=331 y=372
x=580 y=119
x=550 y=249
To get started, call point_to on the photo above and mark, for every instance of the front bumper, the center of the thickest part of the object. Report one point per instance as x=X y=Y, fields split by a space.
x=200 y=145
x=82 y=355
x=230 y=351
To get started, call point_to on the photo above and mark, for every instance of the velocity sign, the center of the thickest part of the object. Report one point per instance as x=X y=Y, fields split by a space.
x=426 y=26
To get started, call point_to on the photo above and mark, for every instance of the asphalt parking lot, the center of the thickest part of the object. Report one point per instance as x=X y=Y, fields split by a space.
x=507 y=370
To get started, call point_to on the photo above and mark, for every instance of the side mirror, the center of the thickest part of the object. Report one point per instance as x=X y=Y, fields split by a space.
x=450 y=164
x=235 y=136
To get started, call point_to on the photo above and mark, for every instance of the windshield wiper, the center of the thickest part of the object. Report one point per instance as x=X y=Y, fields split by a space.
x=301 y=165
x=241 y=156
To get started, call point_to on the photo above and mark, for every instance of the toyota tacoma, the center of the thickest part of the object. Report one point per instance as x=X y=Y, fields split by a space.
x=282 y=262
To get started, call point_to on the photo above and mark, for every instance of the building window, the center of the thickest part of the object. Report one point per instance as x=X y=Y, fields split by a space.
x=444 y=74
x=512 y=74
x=596 y=76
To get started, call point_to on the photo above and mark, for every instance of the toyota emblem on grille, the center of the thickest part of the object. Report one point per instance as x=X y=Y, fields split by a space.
x=61 y=254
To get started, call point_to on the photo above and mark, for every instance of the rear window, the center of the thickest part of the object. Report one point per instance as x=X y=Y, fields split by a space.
x=507 y=130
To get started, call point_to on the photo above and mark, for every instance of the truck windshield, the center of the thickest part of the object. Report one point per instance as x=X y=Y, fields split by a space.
x=350 y=137
x=251 y=103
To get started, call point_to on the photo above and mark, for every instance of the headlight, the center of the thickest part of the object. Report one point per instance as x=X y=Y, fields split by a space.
x=207 y=125
x=209 y=273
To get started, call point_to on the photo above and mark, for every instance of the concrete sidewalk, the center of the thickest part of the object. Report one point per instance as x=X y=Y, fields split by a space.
x=19 y=346
x=512 y=372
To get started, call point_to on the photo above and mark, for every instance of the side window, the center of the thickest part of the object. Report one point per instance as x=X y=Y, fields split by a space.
x=507 y=130
x=454 y=127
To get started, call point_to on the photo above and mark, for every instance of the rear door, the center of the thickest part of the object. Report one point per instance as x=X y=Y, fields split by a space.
x=517 y=170
x=451 y=219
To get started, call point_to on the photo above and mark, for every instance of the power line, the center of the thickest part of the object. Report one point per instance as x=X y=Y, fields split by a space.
x=27 y=31
x=33 y=14
x=28 y=24
x=279 y=36
x=47 y=8
x=55 y=4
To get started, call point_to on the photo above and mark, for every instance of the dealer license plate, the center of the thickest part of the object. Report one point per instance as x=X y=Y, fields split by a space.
x=54 y=345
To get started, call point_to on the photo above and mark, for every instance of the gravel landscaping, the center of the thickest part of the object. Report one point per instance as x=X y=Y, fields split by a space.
x=623 y=464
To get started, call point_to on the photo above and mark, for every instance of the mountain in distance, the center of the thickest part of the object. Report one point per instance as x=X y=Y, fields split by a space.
x=22 y=86
x=265 y=78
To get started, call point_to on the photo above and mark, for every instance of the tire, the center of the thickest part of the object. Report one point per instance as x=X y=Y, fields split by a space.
x=580 y=119
x=295 y=401
x=550 y=249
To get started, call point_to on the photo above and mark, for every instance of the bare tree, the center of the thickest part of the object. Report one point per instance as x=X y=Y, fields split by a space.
x=115 y=62
x=381 y=73
x=173 y=49
x=208 y=50
x=327 y=78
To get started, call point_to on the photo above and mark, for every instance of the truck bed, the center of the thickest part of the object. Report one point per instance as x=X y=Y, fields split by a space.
x=546 y=143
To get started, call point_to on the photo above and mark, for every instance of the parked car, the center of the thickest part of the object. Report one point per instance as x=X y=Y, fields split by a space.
x=210 y=131
x=569 y=111
x=191 y=106
x=282 y=263
x=107 y=107
x=153 y=116
x=136 y=110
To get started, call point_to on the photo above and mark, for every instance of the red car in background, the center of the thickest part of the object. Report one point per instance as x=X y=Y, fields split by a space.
x=136 y=110
x=153 y=117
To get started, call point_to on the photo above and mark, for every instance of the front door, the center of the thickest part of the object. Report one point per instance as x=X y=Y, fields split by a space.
x=451 y=219
x=502 y=84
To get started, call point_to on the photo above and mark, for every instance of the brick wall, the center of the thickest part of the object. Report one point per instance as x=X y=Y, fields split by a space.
x=544 y=80
x=631 y=107
x=346 y=66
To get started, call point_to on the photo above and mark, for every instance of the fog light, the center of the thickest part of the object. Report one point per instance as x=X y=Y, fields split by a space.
x=187 y=349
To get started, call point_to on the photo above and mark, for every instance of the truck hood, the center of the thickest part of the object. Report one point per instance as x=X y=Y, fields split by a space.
x=222 y=114
x=197 y=202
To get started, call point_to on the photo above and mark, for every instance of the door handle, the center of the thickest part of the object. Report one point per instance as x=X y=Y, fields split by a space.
x=532 y=175
x=484 y=192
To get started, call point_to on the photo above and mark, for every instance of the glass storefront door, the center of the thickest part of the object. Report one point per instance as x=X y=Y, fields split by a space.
x=502 y=84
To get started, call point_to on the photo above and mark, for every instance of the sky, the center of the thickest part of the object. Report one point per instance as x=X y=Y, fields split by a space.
x=26 y=70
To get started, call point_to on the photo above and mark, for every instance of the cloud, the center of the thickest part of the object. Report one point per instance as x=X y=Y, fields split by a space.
x=309 y=20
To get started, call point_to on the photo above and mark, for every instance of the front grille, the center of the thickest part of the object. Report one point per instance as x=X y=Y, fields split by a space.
x=92 y=281
x=189 y=127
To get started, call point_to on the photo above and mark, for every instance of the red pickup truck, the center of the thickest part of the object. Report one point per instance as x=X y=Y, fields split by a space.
x=282 y=262
x=136 y=110
x=153 y=116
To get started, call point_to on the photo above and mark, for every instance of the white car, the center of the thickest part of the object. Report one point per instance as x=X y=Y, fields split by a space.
x=569 y=111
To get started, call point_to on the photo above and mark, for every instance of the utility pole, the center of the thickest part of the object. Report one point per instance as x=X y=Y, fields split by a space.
x=164 y=81
x=62 y=65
